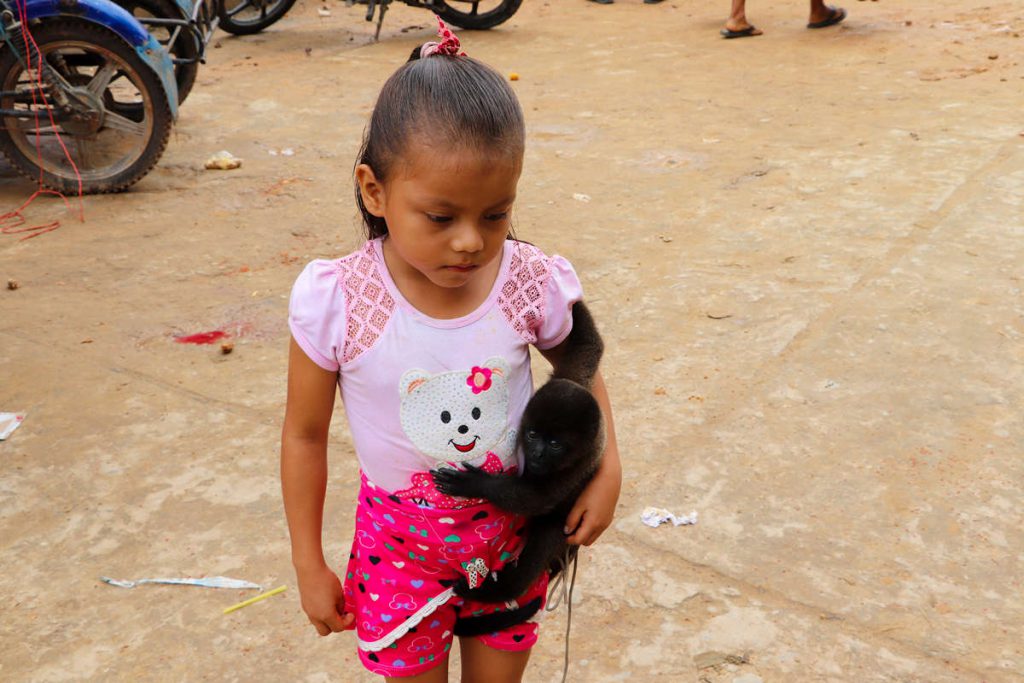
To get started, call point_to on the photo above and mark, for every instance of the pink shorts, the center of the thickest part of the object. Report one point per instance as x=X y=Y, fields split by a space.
x=404 y=561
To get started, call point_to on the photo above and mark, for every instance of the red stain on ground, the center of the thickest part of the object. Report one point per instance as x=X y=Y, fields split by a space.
x=202 y=337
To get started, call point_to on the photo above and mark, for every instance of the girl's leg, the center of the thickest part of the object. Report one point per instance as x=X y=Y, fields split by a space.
x=737 y=26
x=822 y=12
x=439 y=674
x=484 y=664
x=737 y=16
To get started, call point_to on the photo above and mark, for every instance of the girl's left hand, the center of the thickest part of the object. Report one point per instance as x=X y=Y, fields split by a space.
x=595 y=508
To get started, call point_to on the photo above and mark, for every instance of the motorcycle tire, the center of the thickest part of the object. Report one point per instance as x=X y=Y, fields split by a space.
x=270 y=12
x=472 y=20
x=185 y=47
x=38 y=154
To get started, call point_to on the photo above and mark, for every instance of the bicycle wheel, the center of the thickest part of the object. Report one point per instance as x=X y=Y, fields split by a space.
x=123 y=119
x=185 y=47
x=242 y=17
x=469 y=15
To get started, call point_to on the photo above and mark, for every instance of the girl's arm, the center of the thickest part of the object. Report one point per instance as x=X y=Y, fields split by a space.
x=595 y=508
x=304 y=483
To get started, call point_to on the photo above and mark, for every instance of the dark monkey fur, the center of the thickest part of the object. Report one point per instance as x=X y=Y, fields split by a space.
x=562 y=437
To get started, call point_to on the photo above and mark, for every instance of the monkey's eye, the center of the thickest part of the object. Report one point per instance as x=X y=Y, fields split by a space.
x=555 y=445
x=532 y=435
x=476 y=413
x=446 y=417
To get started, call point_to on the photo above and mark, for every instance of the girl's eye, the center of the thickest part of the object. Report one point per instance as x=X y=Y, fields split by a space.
x=434 y=218
x=497 y=216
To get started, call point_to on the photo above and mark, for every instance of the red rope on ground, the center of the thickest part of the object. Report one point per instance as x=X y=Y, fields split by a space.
x=11 y=222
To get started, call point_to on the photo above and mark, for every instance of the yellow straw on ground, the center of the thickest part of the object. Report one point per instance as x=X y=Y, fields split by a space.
x=261 y=596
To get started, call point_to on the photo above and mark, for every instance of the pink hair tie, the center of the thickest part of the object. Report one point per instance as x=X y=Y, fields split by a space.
x=449 y=44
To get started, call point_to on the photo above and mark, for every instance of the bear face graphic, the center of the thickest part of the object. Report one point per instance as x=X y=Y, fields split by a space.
x=457 y=416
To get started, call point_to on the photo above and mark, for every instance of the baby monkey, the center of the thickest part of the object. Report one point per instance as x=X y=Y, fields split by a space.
x=562 y=437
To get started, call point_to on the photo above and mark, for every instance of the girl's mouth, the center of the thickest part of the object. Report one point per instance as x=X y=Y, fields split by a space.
x=464 y=448
x=462 y=269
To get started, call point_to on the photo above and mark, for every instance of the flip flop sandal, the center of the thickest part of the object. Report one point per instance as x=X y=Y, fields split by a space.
x=837 y=15
x=747 y=32
x=603 y=2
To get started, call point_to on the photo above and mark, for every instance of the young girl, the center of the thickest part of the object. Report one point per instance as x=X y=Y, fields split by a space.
x=426 y=329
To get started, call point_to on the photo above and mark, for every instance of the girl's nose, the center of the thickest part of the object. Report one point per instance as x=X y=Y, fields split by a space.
x=468 y=239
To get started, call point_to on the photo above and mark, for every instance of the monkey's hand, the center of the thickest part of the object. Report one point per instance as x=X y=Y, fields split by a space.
x=488 y=591
x=472 y=483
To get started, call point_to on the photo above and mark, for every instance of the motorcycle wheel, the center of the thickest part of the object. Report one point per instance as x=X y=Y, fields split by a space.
x=129 y=115
x=495 y=12
x=243 y=17
x=185 y=47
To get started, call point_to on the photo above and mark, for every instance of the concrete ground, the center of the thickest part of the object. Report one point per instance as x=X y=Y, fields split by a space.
x=805 y=251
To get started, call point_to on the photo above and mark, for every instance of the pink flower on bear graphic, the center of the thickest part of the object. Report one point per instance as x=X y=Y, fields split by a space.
x=479 y=379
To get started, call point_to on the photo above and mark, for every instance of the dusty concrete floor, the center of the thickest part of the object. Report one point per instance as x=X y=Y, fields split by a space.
x=805 y=250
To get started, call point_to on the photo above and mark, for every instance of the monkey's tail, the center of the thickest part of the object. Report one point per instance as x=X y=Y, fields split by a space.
x=571 y=556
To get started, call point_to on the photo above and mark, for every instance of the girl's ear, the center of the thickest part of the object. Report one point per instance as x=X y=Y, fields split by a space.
x=371 y=189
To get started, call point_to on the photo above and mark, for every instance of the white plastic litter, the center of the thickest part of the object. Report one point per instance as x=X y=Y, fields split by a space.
x=654 y=517
x=208 y=582
x=580 y=197
x=223 y=161
x=9 y=422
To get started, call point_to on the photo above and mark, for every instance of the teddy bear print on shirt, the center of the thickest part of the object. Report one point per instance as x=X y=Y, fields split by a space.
x=457 y=417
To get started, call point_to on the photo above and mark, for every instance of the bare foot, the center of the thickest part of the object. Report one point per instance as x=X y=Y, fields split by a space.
x=825 y=15
x=740 y=29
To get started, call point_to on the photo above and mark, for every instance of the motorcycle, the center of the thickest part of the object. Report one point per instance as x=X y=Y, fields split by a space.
x=460 y=13
x=185 y=27
x=87 y=96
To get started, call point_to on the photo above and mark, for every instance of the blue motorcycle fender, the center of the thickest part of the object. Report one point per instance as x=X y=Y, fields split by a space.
x=121 y=22
x=187 y=7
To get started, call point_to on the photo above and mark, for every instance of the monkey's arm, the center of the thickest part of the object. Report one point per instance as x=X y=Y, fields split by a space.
x=544 y=541
x=496 y=621
x=577 y=358
x=521 y=495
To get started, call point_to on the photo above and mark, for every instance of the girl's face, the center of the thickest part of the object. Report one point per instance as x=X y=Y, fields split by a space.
x=448 y=211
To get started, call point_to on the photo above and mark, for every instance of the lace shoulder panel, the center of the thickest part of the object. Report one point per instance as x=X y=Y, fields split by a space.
x=521 y=299
x=368 y=304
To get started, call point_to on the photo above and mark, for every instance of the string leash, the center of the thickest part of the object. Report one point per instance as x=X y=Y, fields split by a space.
x=565 y=595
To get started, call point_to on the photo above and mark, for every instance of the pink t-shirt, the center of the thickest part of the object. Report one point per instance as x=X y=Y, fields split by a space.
x=421 y=392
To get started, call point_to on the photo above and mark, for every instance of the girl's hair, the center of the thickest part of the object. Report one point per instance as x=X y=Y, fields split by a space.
x=447 y=100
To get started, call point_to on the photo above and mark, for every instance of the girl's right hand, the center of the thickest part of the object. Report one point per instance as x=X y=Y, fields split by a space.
x=323 y=600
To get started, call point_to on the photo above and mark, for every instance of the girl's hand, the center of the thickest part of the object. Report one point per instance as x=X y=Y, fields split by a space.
x=595 y=508
x=323 y=600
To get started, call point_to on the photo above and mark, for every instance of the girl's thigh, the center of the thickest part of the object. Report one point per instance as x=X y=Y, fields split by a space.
x=439 y=674
x=484 y=664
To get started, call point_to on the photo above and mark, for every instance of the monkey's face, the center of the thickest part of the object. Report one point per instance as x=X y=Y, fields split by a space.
x=560 y=428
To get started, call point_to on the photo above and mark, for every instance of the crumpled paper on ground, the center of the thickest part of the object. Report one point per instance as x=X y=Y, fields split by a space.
x=223 y=161
x=9 y=422
x=654 y=517
x=208 y=582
